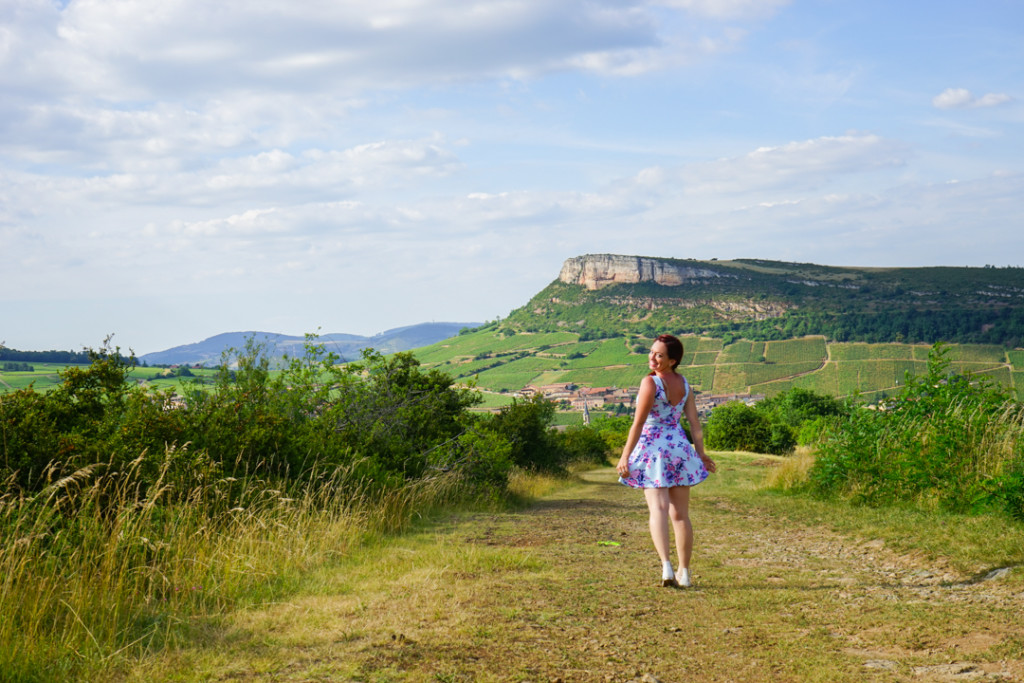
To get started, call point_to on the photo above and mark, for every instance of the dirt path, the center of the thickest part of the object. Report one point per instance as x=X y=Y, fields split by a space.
x=544 y=594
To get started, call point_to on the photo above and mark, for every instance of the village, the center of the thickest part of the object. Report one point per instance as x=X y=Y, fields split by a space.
x=583 y=399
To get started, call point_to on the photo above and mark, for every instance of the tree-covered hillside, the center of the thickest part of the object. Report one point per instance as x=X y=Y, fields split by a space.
x=768 y=300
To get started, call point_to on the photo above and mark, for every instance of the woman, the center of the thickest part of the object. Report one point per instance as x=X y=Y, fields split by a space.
x=659 y=459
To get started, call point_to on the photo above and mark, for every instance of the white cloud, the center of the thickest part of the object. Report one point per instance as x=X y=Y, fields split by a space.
x=960 y=98
x=139 y=49
x=991 y=100
x=728 y=9
x=797 y=166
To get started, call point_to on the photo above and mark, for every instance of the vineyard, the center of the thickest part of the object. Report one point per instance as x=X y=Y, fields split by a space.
x=742 y=366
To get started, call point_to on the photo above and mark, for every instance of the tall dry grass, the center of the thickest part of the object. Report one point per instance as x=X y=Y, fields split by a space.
x=95 y=569
x=791 y=473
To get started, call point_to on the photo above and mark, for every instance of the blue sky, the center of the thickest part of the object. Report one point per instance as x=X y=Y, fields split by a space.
x=172 y=170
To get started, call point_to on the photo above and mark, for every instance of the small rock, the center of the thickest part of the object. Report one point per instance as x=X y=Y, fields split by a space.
x=958 y=671
x=648 y=678
x=997 y=573
x=884 y=664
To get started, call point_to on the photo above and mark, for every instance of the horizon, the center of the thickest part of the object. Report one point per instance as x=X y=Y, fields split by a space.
x=172 y=170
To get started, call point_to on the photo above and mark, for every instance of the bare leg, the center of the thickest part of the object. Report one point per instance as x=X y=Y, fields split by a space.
x=658 y=505
x=679 y=512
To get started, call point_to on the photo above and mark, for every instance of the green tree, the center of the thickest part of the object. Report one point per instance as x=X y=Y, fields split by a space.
x=526 y=425
x=735 y=426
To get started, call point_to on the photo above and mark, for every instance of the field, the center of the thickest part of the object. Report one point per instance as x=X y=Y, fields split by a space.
x=43 y=378
x=46 y=376
x=839 y=369
x=505 y=364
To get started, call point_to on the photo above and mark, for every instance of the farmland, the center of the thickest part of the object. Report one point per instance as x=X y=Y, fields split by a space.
x=45 y=376
x=502 y=365
x=742 y=366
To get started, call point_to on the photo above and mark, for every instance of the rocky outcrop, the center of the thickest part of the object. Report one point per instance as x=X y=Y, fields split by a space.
x=745 y=309
x=595 y=271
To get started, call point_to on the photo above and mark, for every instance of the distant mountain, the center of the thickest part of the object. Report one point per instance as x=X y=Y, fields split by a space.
x=349 y=346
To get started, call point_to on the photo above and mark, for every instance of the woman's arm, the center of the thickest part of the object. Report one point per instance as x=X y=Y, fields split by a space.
x=696 y=432
x=644 y=403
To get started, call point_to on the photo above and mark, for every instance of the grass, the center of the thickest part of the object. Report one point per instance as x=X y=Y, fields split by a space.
x=862 y=351
x=837 y=369
x=970 y=544
x=94 y=572
x=788 y=588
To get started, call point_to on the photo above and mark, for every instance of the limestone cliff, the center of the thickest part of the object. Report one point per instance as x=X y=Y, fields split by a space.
x=595 y=271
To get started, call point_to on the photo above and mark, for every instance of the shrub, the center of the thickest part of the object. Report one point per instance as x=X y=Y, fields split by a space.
x=946 y=441
x=796 y=405
x=735 y=426
x=583 y=444
x=525 y=425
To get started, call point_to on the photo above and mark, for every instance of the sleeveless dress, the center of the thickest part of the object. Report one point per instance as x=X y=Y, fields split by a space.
x=663 y=456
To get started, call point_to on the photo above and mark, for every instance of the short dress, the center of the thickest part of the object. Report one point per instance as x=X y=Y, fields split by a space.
x=664 y=457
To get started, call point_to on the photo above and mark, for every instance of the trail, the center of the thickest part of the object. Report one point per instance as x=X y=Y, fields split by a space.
x=568 y=590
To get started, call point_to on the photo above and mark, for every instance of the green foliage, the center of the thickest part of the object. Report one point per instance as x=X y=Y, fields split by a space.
x=525 y=425
x=946 y=440
x=386 y=416
x=583 y=444
x=735 y=426
x=796 y=406
x=773 y=425
x=771 y=301
x=614 y=431
x=77 y=423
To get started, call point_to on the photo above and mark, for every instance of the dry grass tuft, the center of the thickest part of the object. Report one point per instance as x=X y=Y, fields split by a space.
x=792 y=472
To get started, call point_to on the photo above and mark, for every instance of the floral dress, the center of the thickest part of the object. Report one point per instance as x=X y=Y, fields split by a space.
x=664 y=457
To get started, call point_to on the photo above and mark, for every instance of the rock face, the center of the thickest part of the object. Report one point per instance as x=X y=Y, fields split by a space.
x=595 y=271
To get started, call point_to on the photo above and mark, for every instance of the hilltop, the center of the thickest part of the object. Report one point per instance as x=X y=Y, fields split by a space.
x=604 y=295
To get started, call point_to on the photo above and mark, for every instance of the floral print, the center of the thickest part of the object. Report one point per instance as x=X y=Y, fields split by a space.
x=664 y=457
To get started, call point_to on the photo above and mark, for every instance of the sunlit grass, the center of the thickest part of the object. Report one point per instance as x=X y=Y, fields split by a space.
x=94 y=570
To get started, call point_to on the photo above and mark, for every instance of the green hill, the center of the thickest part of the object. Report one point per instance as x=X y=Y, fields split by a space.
x=604 y=295
x=748 y=326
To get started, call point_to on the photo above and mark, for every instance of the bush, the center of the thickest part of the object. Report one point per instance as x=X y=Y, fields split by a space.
x=947 y=441
x=796 y=405
x=781 y=439
x=735 y=426
x=815 y=429
x=583 y=444
x=526 y=426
